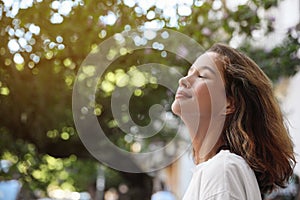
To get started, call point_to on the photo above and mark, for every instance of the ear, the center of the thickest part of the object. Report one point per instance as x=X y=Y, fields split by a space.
x=230 y=108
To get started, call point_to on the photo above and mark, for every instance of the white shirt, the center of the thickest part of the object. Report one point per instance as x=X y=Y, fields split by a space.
x=226 y=176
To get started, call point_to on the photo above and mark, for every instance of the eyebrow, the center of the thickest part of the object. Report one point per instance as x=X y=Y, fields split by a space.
x=205 y=67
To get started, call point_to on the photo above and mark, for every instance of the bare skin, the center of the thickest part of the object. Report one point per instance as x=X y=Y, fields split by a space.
x=201 y=103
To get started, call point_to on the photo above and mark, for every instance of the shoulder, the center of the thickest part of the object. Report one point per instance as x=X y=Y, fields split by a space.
x=224 y=163
x=229 y=173
x=229 y=167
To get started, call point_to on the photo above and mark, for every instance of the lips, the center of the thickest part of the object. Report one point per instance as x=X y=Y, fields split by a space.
x=182 y=94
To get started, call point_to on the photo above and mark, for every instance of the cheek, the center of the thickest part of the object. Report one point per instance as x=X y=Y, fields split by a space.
x=215 y=98
x=211 y=98
x=202 y=95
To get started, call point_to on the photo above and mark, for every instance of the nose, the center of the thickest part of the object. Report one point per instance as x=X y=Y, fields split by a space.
x=183 y=82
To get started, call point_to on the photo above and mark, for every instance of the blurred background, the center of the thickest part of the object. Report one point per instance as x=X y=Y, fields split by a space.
x=43 y=43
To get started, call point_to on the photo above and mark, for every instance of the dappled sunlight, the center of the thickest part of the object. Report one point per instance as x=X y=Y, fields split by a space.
x=128 y=87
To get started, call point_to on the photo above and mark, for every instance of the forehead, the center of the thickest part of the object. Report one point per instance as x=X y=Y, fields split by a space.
x=208 y=59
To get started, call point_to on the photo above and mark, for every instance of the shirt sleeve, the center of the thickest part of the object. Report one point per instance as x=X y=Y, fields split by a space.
x=224 y=177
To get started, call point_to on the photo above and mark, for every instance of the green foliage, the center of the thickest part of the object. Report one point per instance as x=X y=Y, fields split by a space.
x=39 y=172
x=281 y=61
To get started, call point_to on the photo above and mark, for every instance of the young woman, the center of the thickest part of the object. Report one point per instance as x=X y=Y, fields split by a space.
x=240 y=143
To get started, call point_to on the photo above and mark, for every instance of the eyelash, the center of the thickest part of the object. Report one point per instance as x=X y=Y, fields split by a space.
x=199 y=76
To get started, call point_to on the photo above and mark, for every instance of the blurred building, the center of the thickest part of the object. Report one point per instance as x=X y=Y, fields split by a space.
x=291 y=108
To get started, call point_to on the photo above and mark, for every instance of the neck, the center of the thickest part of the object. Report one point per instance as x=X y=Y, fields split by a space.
x=206 y=138
x=202 y=157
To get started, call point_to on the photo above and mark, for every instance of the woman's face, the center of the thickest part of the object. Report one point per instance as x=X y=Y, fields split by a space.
x=201 y=92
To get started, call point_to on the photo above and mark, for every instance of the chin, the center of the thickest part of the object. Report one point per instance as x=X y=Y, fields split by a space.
x=176 y=108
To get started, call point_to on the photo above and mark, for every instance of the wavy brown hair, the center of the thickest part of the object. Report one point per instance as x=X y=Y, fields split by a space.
x=256 y=129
